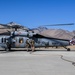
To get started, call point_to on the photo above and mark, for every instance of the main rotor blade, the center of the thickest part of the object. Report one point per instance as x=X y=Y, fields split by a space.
x=60 y=24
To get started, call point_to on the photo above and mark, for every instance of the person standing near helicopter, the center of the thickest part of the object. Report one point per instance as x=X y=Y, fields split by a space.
x=30 y=43
x=27 y=44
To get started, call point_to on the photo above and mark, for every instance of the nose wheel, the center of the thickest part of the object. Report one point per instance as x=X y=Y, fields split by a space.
x=68 y=49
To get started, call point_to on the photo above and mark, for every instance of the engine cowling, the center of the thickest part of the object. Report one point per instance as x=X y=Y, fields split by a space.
x=21 y=33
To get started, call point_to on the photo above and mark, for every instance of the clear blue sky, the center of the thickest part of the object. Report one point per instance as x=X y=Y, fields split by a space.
x=33 y=13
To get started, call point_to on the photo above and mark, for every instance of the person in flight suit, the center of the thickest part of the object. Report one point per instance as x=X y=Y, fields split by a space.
x=8 y=46
x=32 y=45
x=27 y=44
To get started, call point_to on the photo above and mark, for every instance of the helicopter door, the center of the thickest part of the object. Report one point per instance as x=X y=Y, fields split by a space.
x=19 y=42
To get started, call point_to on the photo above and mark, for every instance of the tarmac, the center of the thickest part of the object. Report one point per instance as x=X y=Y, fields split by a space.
x=40 y=62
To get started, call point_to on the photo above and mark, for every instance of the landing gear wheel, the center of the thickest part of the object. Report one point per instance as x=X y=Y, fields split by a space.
x=9 y=48
x=68 y=49
x=6 y=49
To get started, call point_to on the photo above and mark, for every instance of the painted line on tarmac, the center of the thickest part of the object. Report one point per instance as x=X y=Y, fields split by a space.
x=73 y=62
x=61 y=56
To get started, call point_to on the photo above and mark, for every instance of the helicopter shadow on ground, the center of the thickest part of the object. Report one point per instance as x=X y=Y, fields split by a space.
x=53 y=50
x=3 y=51
x=16 y=50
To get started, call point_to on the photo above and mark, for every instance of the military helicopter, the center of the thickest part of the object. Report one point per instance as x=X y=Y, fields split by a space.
x=17 y=39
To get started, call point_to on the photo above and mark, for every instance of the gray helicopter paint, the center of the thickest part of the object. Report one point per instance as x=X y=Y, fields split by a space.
x=39 y=42
x=17 y=44
x=3 y=44
x=51 y=42
x=22 y=33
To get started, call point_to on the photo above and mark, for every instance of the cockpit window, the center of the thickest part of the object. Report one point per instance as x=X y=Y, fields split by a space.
x=2 y=40
x=21 y=40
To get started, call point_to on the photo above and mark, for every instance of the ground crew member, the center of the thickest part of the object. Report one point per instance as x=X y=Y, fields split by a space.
x=32 y=45
x=8 y=46
x=27 y=44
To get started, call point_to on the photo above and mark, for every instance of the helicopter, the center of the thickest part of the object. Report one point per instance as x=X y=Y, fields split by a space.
x=17 y=39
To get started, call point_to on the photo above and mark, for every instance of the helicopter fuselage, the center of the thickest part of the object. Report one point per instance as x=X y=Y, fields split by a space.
x=20 y=42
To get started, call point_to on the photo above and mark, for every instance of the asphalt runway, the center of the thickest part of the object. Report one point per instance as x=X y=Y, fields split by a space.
x=44 y=62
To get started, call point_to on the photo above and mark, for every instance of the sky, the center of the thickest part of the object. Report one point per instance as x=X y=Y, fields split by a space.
x=34 y=13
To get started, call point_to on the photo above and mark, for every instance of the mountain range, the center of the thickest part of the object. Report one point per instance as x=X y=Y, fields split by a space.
x=55 y=33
